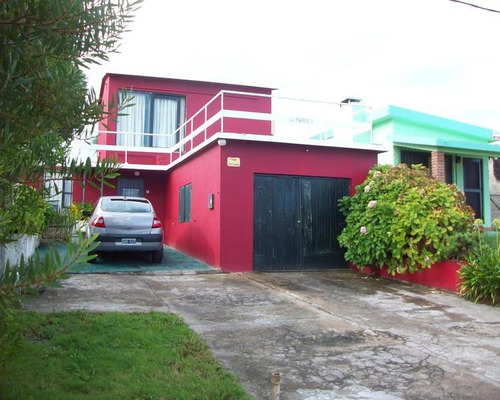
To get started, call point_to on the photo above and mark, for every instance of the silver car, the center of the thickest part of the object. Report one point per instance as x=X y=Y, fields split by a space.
x=126 y=224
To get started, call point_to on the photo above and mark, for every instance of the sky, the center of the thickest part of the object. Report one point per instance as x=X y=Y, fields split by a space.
x=433 y=56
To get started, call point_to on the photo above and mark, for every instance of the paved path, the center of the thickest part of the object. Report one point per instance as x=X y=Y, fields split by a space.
x=332 y=335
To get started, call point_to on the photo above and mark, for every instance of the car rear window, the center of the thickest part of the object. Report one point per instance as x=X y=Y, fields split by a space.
x=120 y=205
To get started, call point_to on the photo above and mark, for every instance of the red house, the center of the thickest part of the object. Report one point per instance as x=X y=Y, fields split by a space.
x=234 y=185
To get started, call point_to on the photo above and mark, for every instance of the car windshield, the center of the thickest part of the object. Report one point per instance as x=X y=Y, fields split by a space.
x=128 y=205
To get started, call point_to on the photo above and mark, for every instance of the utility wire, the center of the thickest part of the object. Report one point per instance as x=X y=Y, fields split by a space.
x=476 y=6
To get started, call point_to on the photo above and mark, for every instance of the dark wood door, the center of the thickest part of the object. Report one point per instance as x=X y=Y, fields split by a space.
x=296 y=222
x=131 y=187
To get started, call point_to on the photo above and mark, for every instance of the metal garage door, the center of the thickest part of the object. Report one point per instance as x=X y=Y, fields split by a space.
x=296 y=222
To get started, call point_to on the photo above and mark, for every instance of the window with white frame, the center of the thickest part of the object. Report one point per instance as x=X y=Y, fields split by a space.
x=67 y=193
x=58 y=192
x=151 y=120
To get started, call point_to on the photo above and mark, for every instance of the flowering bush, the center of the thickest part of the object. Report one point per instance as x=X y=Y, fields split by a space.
x=402 y=218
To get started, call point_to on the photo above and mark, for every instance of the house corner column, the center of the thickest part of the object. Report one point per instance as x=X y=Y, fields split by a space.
x=438 y=166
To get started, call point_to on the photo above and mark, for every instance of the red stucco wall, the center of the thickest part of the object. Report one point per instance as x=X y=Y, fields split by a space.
x=197 y=94
x=154 y=188
x=442 y=275
x=200 y=238
x=223 y=236
x=269 y=158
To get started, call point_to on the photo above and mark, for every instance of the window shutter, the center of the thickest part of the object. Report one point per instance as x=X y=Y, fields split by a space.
x=182 y=195
x=188 y=203
x=185 y=203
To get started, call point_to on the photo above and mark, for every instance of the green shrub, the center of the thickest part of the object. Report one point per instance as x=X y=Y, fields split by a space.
x=26 y=212
x=480 y=272
x=50 y=214
x=61 y=225
x=403 y=218
x=77 y=210
x=460 y=244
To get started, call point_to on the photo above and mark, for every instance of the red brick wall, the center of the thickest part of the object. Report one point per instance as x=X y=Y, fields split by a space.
x=438 y=166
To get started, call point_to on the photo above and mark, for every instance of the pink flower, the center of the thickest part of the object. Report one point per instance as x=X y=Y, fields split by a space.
x=372 y=203
x=367 y=189
x=362 y=230
x=427 y=259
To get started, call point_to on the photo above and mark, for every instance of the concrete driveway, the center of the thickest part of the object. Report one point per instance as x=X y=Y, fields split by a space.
x=331 y=335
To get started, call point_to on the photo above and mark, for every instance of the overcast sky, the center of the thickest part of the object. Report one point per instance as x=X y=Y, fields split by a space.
x=434 y=56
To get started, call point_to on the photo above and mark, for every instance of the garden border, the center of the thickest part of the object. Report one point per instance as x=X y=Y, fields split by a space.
x=442 y=275
x=24 y=245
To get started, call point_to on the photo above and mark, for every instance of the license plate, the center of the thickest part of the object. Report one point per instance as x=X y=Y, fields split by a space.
x=129 y=241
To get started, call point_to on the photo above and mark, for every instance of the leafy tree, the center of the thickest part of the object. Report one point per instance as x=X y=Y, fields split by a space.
x=45 y=104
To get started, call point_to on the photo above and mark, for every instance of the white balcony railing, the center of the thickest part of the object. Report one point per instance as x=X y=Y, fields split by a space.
x=243 y=113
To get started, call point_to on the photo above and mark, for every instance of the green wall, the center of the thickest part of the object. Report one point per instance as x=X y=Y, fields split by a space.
x=397 y=128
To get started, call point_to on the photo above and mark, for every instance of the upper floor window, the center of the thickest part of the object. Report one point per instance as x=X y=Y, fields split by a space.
x=155 y=116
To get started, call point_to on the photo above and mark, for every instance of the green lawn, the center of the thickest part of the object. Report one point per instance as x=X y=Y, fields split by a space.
x=80 y=355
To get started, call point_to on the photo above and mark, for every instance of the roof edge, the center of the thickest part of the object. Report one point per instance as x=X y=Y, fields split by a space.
x=118 y=74
x=391 y=112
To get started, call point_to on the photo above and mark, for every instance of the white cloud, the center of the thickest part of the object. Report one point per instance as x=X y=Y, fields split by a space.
x=435 y=56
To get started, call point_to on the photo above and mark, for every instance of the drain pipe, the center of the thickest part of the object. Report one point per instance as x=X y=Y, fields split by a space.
x=276 y=381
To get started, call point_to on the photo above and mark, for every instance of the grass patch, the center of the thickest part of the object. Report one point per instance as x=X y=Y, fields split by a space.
x=81 y=355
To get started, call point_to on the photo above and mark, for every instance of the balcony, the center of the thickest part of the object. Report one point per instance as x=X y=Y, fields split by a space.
x=238 y=115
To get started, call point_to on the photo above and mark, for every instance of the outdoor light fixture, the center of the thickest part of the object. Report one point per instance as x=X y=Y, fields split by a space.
x=222 y=142
x=458 y=159
x=137 y=173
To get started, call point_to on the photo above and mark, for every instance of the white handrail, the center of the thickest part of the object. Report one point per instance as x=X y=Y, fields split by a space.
x=204 y=118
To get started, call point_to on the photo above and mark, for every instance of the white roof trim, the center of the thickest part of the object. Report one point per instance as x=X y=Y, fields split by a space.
x=253 y=138
x=304 y=142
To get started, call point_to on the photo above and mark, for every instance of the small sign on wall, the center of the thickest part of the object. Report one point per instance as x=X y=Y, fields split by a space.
x=233 y=161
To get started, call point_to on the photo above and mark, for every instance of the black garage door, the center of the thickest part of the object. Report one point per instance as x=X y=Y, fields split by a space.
x=296 y=222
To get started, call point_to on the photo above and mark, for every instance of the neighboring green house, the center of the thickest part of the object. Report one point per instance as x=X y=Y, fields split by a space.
x=455 y=152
